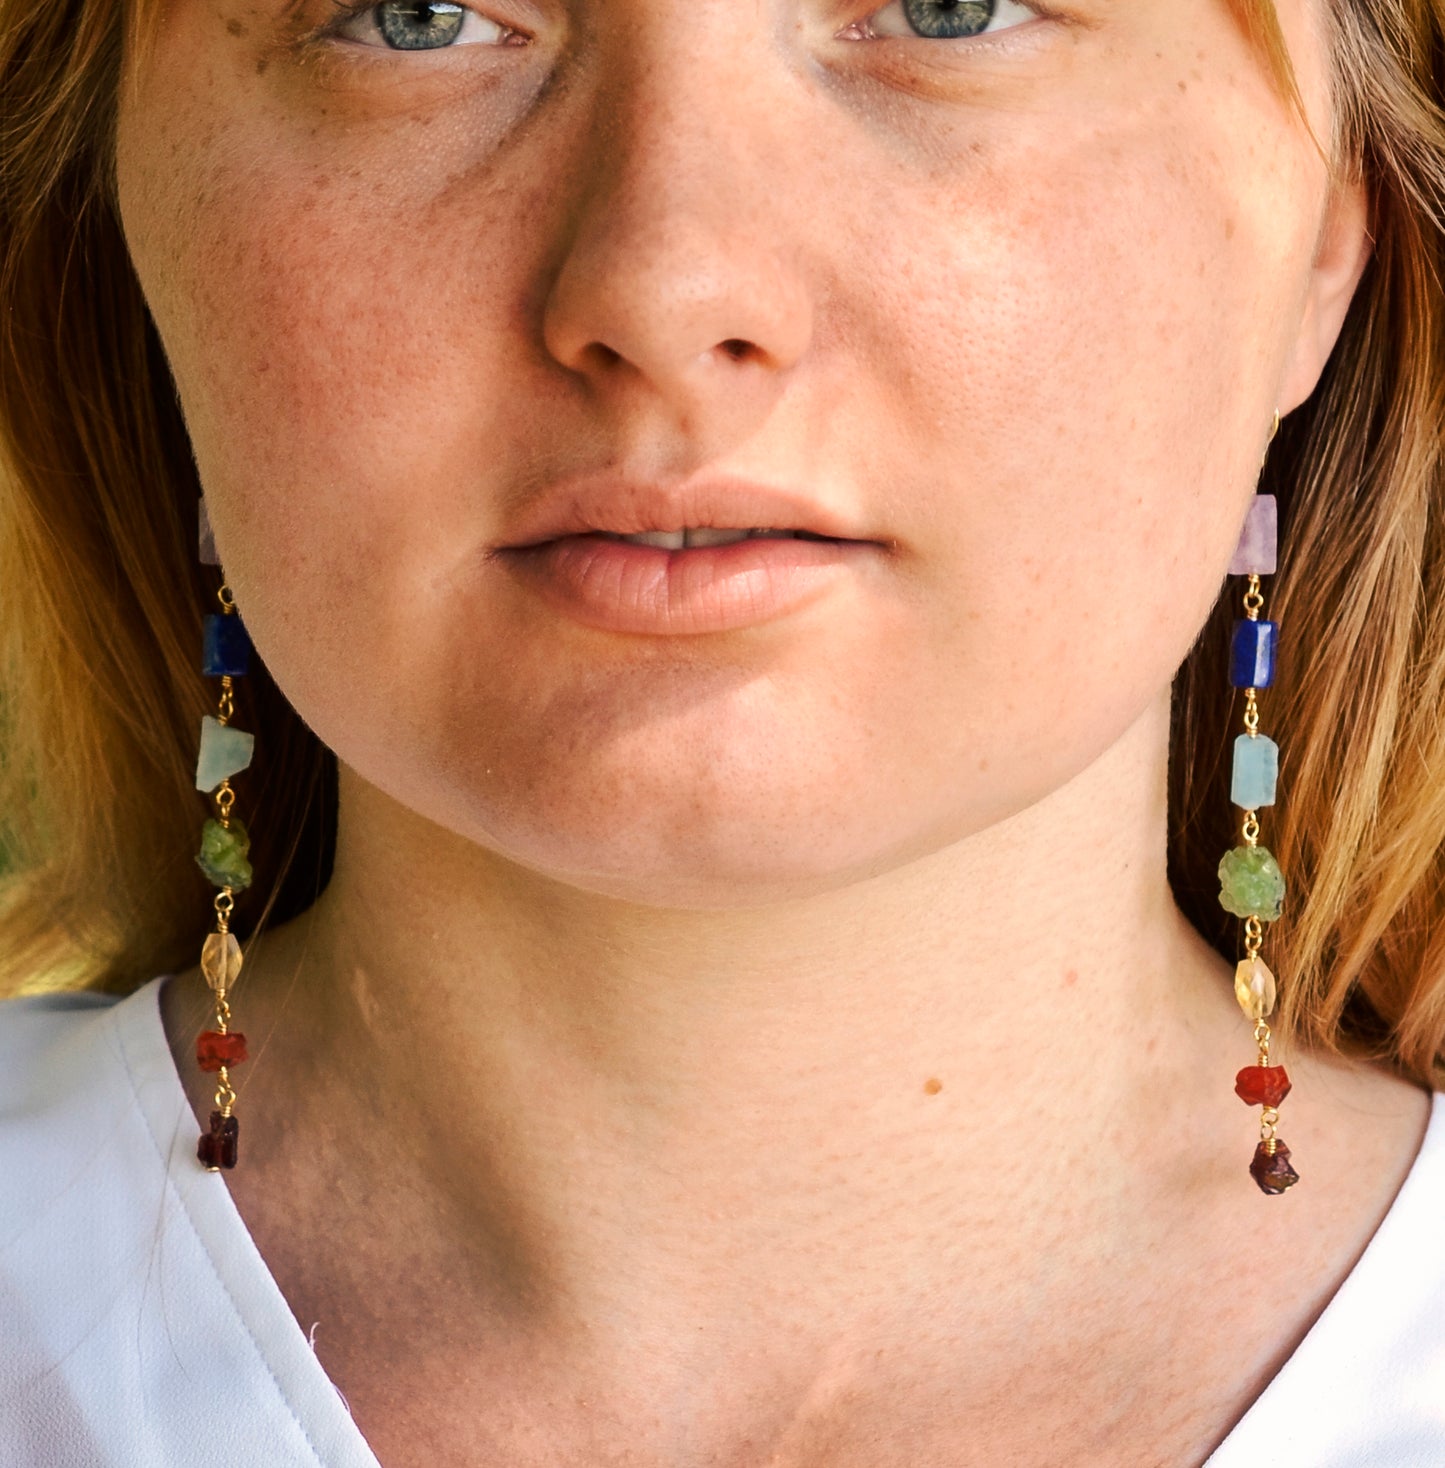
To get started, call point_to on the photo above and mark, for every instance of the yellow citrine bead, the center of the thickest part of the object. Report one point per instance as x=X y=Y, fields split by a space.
x=221 y=960
x=1254 y=988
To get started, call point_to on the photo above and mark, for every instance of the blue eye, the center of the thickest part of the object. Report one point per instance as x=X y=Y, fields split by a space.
x=421 y=25
x=948 y=20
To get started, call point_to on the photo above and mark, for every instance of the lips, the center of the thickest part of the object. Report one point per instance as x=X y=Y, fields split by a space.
x=611 y=506
x=695 y=538
x=704 y=556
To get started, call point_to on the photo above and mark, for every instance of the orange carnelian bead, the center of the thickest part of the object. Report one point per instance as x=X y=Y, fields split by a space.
x=1262 y=1085
x=213 y=1049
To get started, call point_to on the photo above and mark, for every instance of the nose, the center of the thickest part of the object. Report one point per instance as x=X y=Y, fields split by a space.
x=680 y=279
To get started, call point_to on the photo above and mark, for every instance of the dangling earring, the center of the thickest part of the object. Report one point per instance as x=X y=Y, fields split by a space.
x=224 y=848
x=1251 y=884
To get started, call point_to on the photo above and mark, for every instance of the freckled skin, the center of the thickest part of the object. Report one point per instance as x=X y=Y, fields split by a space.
x=1025 y=315
x=670 y=1186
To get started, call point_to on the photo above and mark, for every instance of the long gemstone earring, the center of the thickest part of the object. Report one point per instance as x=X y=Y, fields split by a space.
x=225 y=751
x=1252 y=886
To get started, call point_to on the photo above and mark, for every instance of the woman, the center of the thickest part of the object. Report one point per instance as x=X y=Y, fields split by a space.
x=758 y=1001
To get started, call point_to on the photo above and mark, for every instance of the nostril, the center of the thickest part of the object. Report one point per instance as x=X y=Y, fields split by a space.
x=736 y=348
x=605 y=356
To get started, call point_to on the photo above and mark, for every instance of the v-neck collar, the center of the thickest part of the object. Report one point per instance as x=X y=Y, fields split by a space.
x=1353 y=1394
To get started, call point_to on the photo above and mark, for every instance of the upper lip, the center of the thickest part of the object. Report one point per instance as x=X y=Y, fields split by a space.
x=623 y=506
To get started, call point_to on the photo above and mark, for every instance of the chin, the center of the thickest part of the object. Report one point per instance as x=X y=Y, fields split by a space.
x=715 y=853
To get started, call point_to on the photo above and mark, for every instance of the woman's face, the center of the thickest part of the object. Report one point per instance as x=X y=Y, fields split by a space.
x=1009 y=293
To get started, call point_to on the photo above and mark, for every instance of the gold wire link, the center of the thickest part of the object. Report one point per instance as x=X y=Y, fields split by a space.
x=1251 y=712
x=227 y=708
x=225 y=800
x=1253 y=936
x=1253 y=599
x=227 y=601
x=225 y=906
x=1268 y=1122
x=223 y=1011
x=1262 y=1038
x=225 y=1095
x=1250 y=830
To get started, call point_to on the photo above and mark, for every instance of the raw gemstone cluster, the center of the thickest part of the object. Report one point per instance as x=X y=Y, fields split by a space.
x=1262 y=1085
x=217 y=1147
x=1251 y=883
x=1271 y=1169
x=223 y=854
x=224 y=752
x=216 y=1050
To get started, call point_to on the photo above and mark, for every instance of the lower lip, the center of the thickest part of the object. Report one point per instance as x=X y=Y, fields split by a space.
x=619 y=586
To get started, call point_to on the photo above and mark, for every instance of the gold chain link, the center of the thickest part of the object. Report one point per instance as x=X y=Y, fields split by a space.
x=1253 y=599
x=1253 y=936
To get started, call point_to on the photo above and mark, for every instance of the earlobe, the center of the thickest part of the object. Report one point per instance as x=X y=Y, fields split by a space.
x=1346 y=242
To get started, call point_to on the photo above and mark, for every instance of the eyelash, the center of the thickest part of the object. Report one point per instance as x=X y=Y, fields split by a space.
x=348 y=11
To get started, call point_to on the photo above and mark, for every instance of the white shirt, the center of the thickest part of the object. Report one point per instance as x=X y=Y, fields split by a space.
x=140 y=1327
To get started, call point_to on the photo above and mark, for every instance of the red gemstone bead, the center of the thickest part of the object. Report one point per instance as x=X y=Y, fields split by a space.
x=1262 y=1085
x=217 y=1148
x=213 y=1049
x=1271 y=1170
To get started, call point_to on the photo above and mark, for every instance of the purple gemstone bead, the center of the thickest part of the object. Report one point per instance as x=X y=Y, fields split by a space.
x=1272 y=1170
x=1251 y=653
x=228 y=647
x=217 y=1147
x=1258 y=548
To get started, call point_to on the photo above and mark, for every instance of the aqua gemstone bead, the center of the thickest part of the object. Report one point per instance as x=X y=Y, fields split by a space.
x=1258 y=549
x=224 y=752
x=1251 y=883
x=1256 y=771
x=223 y=854
x=1251 y=653
x=227 y=652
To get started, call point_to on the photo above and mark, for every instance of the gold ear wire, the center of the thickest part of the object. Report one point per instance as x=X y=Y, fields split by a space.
x=1273 y=430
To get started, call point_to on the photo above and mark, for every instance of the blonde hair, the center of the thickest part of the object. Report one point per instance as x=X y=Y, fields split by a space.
x=100 y=590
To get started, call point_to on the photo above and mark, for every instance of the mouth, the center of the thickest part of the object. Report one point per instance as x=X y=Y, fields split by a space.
x=698 y=537
x=693 y=580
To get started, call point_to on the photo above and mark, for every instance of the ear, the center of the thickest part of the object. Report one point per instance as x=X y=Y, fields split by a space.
x=1343 y=250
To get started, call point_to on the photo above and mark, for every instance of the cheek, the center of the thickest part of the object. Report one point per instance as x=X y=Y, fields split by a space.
x=1069 y=347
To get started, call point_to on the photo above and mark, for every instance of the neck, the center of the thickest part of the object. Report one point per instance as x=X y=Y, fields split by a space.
x=597 y=1086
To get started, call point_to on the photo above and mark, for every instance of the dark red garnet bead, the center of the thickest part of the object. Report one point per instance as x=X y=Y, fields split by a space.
x=213 y=1049
x=1271 y=1170
x=217 y=1148
x=1262 y=1085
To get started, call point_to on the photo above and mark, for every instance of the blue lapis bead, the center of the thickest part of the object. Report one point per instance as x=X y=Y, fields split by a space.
x=1251 y=655
x=1256 y=771
x=228 y=647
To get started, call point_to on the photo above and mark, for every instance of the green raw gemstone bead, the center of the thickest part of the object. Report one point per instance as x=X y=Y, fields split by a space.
x=223 y=854
x=1251 y=883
